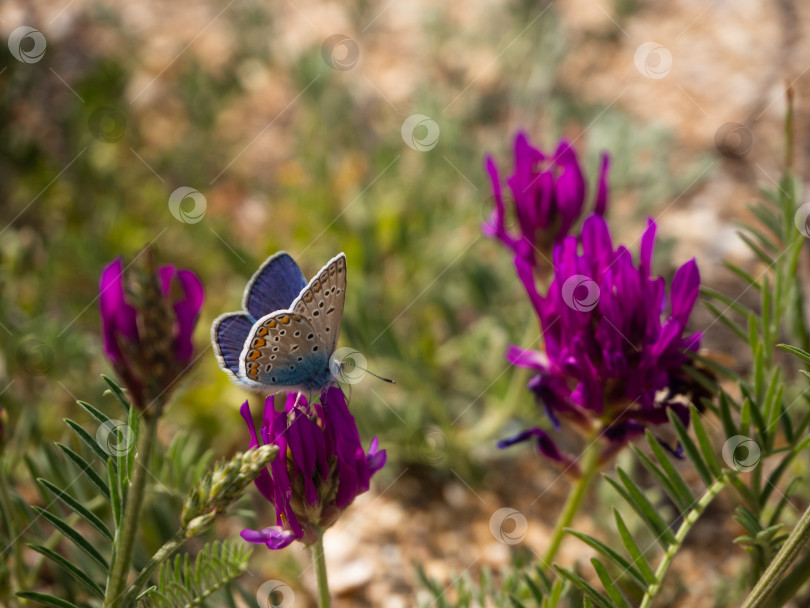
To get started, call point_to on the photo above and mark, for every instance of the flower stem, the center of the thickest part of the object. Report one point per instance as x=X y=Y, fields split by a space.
x=590 y=466
x=320 y=572
x=164 y=553
x=125 y=543
x=788 y=554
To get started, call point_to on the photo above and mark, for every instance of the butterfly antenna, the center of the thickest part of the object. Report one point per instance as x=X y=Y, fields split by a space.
x=389 y=380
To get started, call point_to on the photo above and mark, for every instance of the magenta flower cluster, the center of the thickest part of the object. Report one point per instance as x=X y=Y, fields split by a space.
x=147 y=365
x=320 y=470
x=615 y=342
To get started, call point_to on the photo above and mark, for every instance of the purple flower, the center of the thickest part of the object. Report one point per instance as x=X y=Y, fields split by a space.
x=147 y=322
x=324 y=470
x=615 y=344
x=549 y=197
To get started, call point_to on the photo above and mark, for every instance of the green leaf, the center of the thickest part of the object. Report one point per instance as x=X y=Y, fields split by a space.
x=632 y=549
x=749 y=279
x=689 y=447
x=766 y=259
x=614 y=556
x=798 y=352
x=70 y=532
x=44 y=598
x=537 y=595
x=181 y=582
x=729 y=426
x=607 y=582
x=733 y=304
x=725 y=320
x=100 y=416
x=78 y=507
x=115 y=497
x=663 y=479
x=87 y=470
x=685 y=496
x=635 y=497
x=118 y=393
x=583 y=584
x=768 y=218
x=72 y=569
x=703 y=441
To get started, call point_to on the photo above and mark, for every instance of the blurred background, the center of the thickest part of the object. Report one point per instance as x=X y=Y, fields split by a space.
x=293 y=120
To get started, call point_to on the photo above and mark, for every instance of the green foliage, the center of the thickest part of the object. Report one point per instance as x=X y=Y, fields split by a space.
x=759 y=422
x=635 y=568
x=182 y=583
x=513 y=587
x=85 y=505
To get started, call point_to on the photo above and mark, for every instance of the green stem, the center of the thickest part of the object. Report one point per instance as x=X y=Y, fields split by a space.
x=125 y=544
x=162 y=554
x=590 y=466
x=320 y=572
x=691 y=517
x=18 y=571
x=781 y=563
x=791 y=584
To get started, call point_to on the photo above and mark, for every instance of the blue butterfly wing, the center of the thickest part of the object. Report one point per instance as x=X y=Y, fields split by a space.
x=274 y=286
x=285 y=352
x=229 y=334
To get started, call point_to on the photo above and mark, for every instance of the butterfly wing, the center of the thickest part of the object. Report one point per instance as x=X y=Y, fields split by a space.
x=284 y=351
x=228 y=335
x=321 y=301
x=274 y=286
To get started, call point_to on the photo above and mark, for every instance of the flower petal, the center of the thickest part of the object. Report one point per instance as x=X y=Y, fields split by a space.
x=117 y=316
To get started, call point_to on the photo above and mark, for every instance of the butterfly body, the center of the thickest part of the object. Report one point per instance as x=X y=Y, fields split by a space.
x=284 y=338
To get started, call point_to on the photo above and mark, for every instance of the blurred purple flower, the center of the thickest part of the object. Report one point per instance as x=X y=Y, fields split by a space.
x=549 y=197
x=148 y=341
x=615 y=349
x=324 y=470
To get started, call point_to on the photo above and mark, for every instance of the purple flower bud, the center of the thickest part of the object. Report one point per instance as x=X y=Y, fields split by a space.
x=147 y=320
x=325 y=467
x=548 y=192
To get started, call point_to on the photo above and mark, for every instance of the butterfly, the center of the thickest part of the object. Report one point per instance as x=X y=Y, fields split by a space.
x=285 y=336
